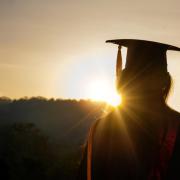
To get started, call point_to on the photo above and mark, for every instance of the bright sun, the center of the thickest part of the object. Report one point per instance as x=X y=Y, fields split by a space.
x=101 y=90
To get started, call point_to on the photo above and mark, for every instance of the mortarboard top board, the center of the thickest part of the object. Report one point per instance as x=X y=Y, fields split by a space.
x=143 y=54
x=131 y=42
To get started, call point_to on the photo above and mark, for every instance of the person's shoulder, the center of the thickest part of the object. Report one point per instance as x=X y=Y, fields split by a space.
x=113 y=114
x=174 y=115
x=109 y=121
x=107 y=128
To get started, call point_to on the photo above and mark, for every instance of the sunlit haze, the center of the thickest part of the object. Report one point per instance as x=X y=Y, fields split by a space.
x=57 y=48
x=101 y=90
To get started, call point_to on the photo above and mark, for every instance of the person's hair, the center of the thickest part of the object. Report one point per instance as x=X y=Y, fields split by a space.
x=167 y=88
x=159 y=83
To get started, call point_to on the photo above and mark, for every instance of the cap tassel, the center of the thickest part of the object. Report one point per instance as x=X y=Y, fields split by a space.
x=118 y=67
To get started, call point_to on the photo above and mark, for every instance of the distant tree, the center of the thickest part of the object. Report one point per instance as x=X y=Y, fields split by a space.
x=29 y=154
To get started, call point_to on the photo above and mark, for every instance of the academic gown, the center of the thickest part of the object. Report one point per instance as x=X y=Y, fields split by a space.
x=133 y=145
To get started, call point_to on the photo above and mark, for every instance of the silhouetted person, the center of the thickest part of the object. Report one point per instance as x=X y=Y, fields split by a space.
x=140 y=139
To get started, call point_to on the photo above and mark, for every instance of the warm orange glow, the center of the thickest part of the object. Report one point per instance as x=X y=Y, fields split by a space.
x=101 y=90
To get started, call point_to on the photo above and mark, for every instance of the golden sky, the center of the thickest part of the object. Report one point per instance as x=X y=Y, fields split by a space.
x=54 y=48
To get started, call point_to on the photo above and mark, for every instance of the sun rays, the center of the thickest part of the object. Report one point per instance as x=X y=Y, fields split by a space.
x=102 y=90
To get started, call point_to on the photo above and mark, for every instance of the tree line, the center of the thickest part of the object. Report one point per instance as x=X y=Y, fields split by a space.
x=43 y=138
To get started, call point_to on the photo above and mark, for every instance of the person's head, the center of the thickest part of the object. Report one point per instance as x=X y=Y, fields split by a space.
x=145 y=74
x=148 y=83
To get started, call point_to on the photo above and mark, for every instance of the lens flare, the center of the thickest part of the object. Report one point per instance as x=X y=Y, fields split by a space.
x=101 y=90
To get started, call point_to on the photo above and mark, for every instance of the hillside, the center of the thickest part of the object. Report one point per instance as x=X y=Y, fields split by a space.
x=42 y=138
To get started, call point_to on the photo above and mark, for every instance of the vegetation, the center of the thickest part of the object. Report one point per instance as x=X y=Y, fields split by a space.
x=42 y=139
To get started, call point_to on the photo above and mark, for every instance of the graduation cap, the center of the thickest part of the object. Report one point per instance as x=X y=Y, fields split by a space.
x=142 y=55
